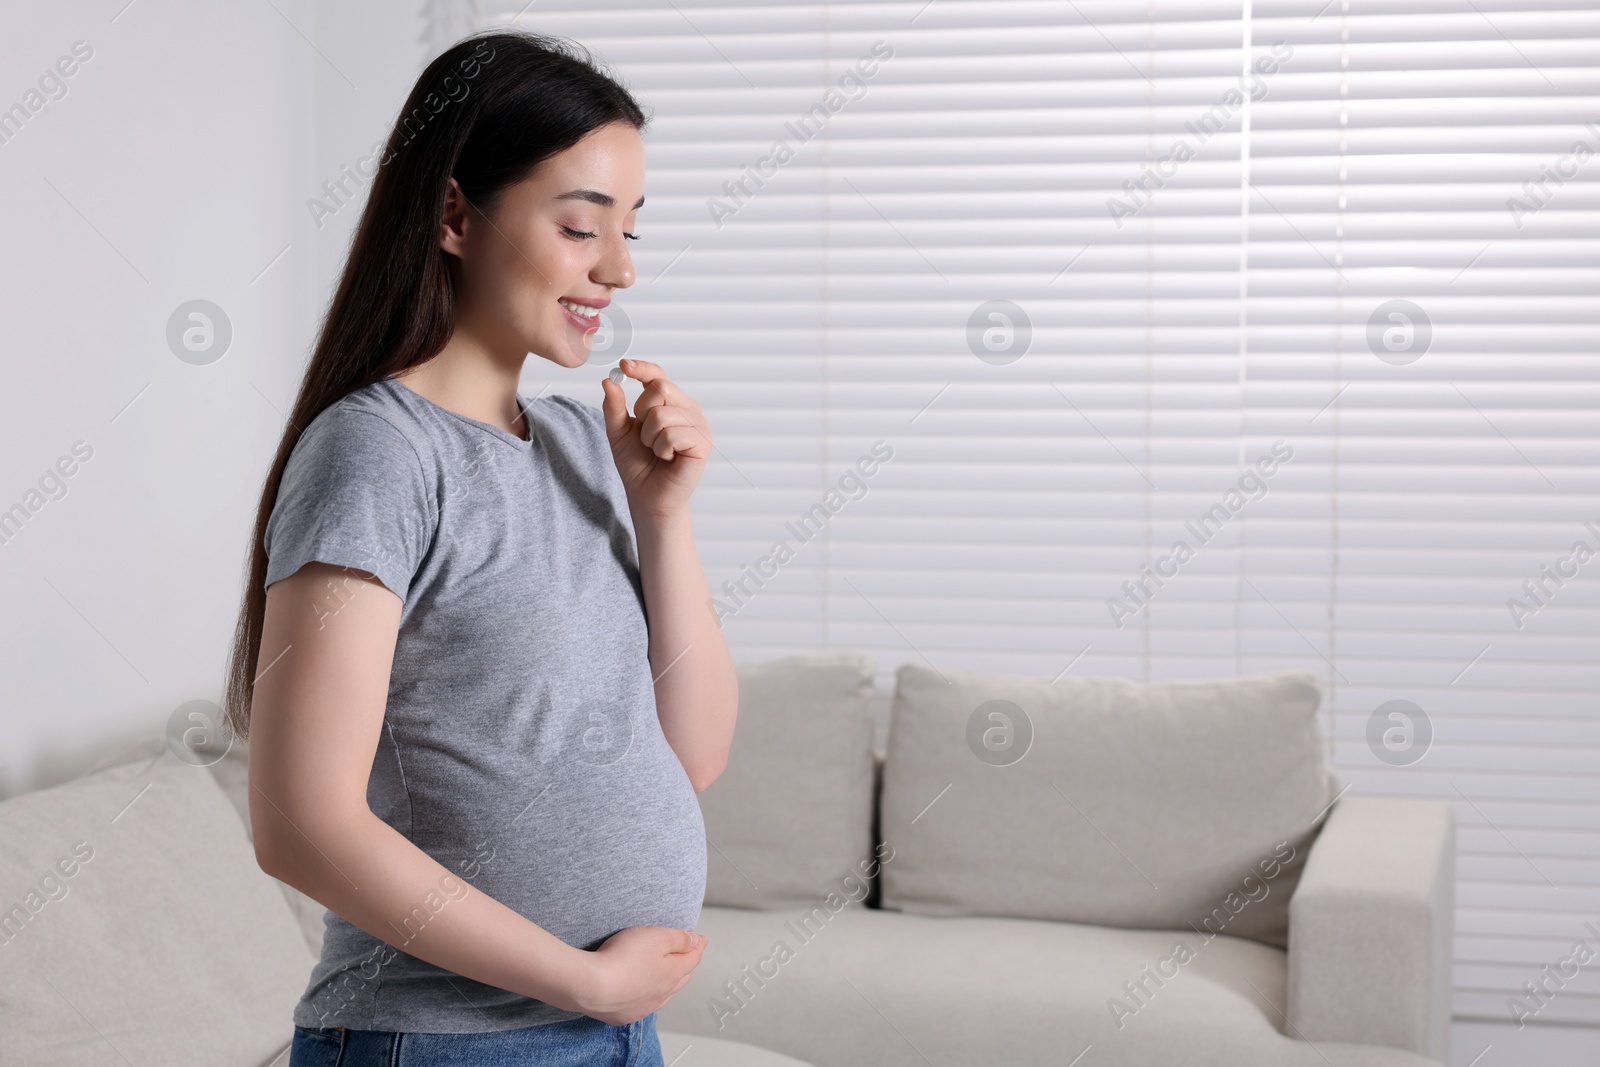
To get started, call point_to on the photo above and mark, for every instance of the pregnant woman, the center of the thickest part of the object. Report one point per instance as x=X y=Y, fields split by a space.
x=476 y=661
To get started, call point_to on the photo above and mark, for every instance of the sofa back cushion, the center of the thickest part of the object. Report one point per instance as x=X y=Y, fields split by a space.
x=135 y=925
x=790 y=818
x=1151 y=805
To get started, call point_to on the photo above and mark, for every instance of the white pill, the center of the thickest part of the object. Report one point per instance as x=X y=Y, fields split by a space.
x=617 y=376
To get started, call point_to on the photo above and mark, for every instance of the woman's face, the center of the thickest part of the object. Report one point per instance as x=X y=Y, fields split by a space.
x=559 y=235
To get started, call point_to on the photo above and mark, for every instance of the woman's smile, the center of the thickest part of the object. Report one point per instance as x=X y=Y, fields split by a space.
x=583 y=315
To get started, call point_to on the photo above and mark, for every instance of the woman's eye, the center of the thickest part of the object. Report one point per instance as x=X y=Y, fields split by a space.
x=585 y=235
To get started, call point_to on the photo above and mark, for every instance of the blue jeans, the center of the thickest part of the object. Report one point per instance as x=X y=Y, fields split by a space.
x=582 y=1042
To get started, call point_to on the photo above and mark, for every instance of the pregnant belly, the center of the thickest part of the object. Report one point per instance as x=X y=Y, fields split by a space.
x=599 y=849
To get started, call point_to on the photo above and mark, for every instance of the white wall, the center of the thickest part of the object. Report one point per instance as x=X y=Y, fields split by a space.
x=1484 y=1044
x=187 y=147
x=380 y=47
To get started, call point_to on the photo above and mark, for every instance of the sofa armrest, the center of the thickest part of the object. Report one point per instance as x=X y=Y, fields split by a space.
x=1370 y=927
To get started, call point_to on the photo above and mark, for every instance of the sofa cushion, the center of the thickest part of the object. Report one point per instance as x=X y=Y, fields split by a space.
x=861 y=987
x=228 y=759
x=137 y=926
x=694 y=1050
x=1151 y=805
x=791 y=814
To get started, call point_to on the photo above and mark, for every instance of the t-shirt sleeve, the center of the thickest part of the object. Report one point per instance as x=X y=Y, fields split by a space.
x=353 y=494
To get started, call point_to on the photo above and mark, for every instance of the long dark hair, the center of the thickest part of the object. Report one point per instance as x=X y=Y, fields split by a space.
x=486 y=112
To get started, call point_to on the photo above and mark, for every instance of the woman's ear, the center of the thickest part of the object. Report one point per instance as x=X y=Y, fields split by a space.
x=453 y=227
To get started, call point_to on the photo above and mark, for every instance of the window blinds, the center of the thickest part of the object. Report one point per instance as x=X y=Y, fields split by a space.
x=1162 y=340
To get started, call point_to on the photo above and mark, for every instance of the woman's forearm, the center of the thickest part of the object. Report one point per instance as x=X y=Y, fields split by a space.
x=365 y=871
x=697 y=692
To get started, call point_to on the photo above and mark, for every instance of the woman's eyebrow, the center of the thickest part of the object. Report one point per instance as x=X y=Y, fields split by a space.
x=596 y=197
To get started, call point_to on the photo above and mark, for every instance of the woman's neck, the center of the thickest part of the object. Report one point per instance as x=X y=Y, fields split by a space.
x=466 y=378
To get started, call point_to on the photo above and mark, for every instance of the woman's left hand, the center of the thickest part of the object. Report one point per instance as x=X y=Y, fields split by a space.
x=661 y=449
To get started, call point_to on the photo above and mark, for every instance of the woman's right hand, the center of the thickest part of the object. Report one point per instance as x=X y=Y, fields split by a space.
x=636 y=970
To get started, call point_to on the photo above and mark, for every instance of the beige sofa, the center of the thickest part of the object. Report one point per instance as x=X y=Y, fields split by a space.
x=136 y=928
x=1091 y=872
x=990 y=871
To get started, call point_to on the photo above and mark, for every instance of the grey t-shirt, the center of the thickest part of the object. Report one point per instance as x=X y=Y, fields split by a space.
x=520 y=744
